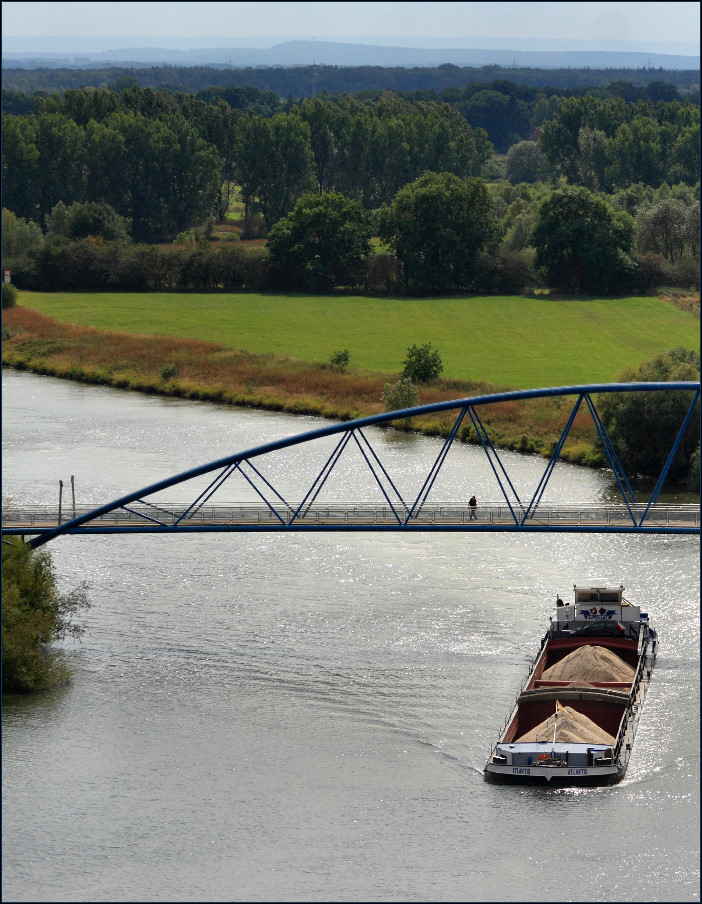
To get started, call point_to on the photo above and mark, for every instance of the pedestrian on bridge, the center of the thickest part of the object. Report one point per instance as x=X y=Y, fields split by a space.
x=473 y=503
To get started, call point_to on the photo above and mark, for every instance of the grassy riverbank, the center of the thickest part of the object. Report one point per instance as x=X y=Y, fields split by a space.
x=512 y=341
x=208 y=371
x=192 y=346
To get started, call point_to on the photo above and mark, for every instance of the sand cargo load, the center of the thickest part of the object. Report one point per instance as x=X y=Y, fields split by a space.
x=575 y=719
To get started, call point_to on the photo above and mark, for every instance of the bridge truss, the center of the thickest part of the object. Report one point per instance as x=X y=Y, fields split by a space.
x=273 y=509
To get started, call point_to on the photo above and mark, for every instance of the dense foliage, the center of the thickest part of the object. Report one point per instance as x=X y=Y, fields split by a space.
x=34 y=614
x=423 y=364
x=321 y=245
x=605 y=143
x=265 y=85
x=583 y=243
x=437 y=227
x=642 y=425
x=90 y=265
x=167 y=162
x=129 y=163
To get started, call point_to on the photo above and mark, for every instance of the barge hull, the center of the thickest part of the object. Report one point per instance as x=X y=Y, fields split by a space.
x=575 y=720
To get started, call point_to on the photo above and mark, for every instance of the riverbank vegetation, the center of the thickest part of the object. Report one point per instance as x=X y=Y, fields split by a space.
x=201 y=369
x=35 y=614
x=506 y=341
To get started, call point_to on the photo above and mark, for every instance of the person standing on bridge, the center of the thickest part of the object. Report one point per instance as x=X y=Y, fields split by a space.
x=473 y=503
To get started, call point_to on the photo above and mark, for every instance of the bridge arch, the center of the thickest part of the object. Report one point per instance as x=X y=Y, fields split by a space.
x=139 y=514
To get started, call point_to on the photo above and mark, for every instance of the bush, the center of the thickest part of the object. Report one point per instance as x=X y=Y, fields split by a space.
x=642 y=425
x=422 y=364
x=90 y=265
x=18 y=235
x=654 y=271
x=185 y=238
x=81 y=220
x=9 y=295
x=506 y=273
x=34 y=614
x=403 y=394
x=340 y=360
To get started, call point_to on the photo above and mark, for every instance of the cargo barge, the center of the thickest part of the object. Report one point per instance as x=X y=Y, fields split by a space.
x=575 y=719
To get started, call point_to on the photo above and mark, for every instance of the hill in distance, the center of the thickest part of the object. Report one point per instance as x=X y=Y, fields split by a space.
x=338 y=53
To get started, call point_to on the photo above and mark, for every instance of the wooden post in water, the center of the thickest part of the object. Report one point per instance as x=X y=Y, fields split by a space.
x=60 y=499
x=73 y=491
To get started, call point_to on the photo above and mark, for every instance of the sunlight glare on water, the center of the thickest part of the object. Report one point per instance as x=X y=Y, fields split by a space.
x=306 y=717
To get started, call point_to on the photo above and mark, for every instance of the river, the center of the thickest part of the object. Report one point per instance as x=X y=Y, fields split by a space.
x=305 y=717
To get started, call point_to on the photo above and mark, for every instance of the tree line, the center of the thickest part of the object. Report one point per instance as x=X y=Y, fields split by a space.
x=166 y=163
x=147 y=166
x=441 y=234
x=307 y=81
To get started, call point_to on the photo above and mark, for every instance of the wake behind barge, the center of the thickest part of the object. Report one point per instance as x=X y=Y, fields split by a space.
x=575 y=720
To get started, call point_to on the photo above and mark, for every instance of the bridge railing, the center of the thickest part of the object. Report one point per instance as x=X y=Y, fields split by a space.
x=246 y=513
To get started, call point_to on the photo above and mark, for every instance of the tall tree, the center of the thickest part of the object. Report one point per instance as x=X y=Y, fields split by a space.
x=559 y=138
x=582 y=243
x=20 y=158
x=216 y=124
x=525 y=163
x=60 y=164
x=321 y=244
x=166 y=177
x=275 y=164
x=437 y=227
x=635 y=154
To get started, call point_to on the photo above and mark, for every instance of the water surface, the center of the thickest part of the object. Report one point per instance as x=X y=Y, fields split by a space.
x=300 y=717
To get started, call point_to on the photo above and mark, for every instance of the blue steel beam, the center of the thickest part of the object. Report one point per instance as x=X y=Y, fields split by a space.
x=231 y=463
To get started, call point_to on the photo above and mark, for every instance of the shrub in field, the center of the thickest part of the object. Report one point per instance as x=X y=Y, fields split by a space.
x=9 y=295
x=340 y=360
x=423 y=364
x=403 y=394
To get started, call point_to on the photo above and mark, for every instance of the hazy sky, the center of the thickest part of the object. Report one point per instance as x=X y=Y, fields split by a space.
x=653 y=24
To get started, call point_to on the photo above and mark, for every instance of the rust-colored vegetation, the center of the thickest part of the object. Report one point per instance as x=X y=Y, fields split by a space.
x=206 y=371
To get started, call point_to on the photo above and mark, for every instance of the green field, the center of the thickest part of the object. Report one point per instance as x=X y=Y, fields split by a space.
x=513 y=342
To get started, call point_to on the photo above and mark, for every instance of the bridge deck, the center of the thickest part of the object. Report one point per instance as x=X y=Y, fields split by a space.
x=141 y=518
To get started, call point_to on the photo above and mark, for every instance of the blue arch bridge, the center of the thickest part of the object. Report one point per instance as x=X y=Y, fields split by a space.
x=270 y=506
